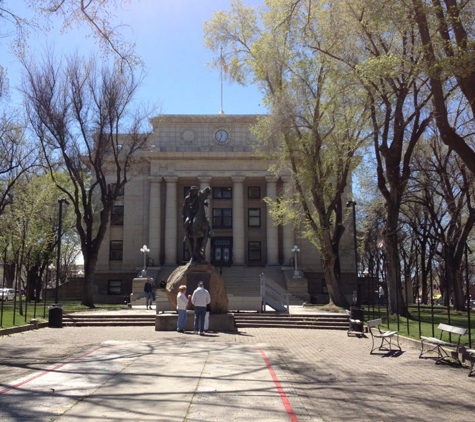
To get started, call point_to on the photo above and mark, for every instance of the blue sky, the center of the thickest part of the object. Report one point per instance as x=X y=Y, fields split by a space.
x=169 y=38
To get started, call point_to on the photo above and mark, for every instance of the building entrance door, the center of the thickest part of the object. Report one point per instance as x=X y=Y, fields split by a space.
x=221 y=251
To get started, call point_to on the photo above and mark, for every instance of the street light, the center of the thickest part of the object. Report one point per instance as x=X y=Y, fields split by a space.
x=355 y=293
x=295 y=250
x=145 y=251
x=58 y=260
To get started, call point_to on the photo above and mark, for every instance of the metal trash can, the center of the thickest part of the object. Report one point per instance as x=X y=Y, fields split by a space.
x=55 y=316
x=356 y=326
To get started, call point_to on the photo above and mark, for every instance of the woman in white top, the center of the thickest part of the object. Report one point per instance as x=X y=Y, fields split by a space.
x=181 y=304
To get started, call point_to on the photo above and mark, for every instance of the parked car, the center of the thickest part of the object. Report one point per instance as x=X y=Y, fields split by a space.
x=7 y=294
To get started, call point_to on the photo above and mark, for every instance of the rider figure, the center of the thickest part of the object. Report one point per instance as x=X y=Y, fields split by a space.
x=190 y=207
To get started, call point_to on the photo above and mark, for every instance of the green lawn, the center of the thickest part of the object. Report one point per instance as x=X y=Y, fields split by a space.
x=419 y=324
x=41 y=313
x=425 y=323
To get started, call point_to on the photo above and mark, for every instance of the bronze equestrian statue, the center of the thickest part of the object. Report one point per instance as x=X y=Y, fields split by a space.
x=196 y=224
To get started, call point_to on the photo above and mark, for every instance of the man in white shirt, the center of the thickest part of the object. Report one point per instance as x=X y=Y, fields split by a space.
x=200 y=299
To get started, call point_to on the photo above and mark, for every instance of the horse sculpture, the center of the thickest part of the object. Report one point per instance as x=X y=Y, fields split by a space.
x=197 y=227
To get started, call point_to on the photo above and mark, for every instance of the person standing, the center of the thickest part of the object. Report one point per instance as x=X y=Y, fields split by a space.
x=381 y=295
x=181 y=304
x=148 y=288
x=200 y=299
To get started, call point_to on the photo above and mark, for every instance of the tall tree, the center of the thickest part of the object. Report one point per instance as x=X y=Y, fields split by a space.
x=89 y=126
x=446 y=31
x=21 y=18
x=377 y=40
x=97 y=15
x=317 y=120
x=30 y=227
x=445 y=188
x=17 y=157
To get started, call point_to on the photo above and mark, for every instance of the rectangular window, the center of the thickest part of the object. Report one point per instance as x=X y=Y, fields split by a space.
x=254 y=192
x=254 y=217
x=117 y=215
x=222 y=193
x=115 y=250
x=121 y=190
x=114 y=287
x=222 y=218
x=254 y=251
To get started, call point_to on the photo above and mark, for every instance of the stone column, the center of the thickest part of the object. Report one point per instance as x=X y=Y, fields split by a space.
x=204 y=182
x=288 y=240
x=238 y=220
x=272 y=231
x=154 y=220
x=171 y=221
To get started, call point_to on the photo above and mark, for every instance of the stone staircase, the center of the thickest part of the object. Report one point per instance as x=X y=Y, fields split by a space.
x=109 y=320
x=242 y=285
x=324 y=321
x=245 y=282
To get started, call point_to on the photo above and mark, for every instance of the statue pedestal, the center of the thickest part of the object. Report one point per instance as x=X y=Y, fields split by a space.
x=189 y=275
x=217 y=322
x=297 y=284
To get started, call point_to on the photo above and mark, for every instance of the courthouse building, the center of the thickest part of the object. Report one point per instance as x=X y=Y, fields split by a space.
x=204 y=150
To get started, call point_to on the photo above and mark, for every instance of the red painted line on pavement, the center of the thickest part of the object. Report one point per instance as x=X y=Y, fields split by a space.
x=283 y=396
x=6 y=390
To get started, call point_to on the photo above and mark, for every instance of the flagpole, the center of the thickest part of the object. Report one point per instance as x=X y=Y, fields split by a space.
x=221 y=111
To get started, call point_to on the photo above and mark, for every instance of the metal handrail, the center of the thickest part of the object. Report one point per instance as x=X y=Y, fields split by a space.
x=272 y=292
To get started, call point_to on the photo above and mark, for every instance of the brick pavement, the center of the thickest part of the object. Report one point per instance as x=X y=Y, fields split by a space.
x=326 y=374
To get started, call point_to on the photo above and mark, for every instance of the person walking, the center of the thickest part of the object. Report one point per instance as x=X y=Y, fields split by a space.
x=381 y=295
x=200 y=299
x=148 y=288
x=181 y=304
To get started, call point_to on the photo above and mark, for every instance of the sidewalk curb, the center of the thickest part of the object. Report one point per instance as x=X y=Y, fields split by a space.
x=21 y=328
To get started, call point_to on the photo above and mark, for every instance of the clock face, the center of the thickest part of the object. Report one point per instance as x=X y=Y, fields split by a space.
x=221 y=136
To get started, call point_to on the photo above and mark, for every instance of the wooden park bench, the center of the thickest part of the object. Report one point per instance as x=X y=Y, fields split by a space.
x=386 y=337
x=437 y=346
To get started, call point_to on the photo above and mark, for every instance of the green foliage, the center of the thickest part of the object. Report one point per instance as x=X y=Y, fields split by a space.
x=31 y=224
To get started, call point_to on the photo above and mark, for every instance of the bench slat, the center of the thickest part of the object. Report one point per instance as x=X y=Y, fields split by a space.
x=438 y=344
x=452 y=329
x=385 y=337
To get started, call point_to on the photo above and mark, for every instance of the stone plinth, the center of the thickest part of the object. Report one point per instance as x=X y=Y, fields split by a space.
x=190 y=275
x=297 y=285
x=217 y=322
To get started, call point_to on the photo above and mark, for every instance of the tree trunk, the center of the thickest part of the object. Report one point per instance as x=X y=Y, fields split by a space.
x=455 y=282
x=89 y=273
x=396 y=301
x=332 y=280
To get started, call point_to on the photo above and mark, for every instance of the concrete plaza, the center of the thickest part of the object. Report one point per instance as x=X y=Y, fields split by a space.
x=258 y=374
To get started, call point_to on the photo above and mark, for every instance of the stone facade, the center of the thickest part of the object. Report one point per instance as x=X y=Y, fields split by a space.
x=201 y=150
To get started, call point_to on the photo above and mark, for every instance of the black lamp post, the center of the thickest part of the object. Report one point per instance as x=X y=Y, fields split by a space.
x=145 y=250
x=58 y=259
x=353 y=205
x=295 y=250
